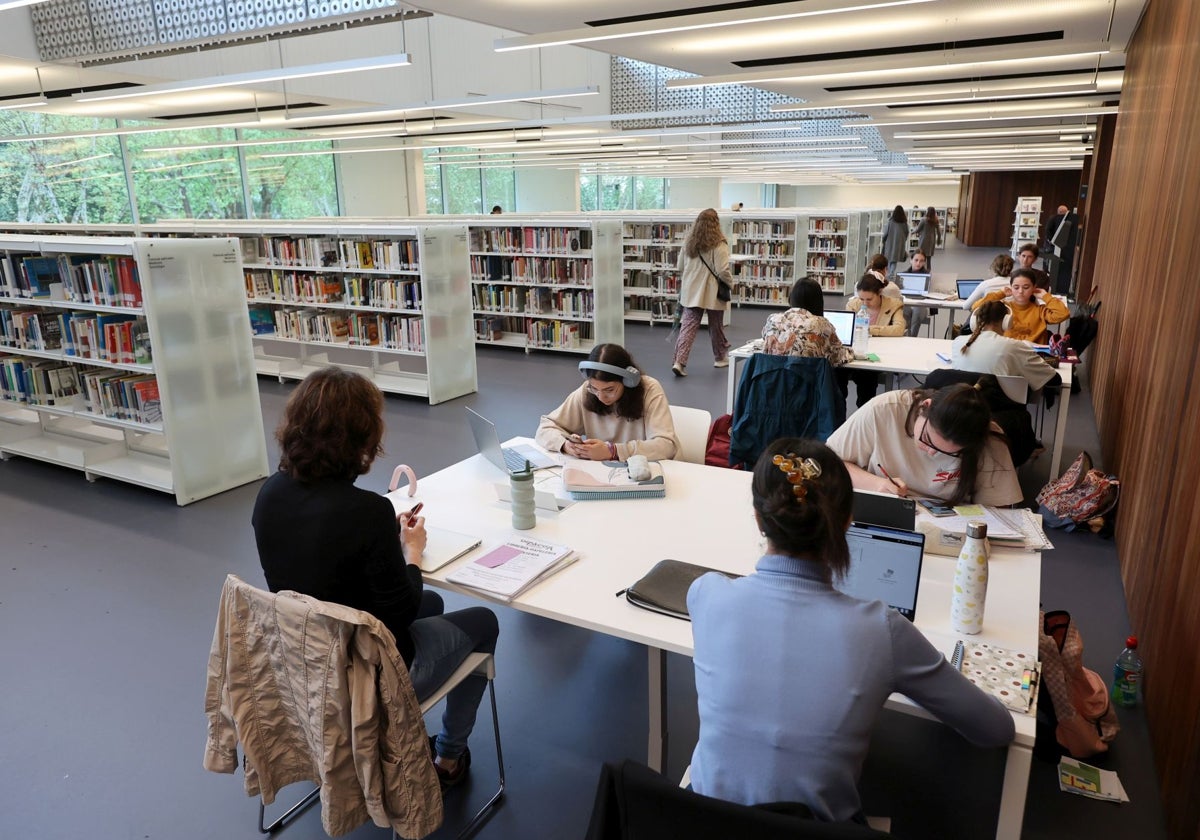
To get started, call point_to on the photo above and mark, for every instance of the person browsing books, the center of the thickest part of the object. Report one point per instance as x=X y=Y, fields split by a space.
x=618 y=411
x=321 y=536
x=803 y=330
x=1033 y=308
x=929 y=443
x=771 y=731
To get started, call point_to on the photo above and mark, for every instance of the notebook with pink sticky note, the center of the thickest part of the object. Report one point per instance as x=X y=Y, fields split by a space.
x=512 y=567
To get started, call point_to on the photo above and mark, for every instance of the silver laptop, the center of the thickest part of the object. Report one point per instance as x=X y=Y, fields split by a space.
x=884 y=509
x=508 y=458
x=966 y=288
x=885 y=565
x=913 y=284
x=843 y=322
x=941 y=285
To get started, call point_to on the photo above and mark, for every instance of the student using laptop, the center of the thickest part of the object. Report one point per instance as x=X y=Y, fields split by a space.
x=929 y=443
x=803 y=330
x=771 y=730
x=321 y=536
x=1033 y=308
x=618 y=411
x=1001 y=268
x=886 y=317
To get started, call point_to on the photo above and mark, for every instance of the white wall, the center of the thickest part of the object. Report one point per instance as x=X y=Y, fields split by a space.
x=542 y=190
x=378 y=183
x=694 y=193
x=749 y=194
x=879 y=196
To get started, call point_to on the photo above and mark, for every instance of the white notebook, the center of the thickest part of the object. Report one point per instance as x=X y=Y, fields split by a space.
x=443 y=547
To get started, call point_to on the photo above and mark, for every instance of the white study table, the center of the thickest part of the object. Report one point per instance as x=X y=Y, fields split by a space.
x=918 y=356
x=462 y=498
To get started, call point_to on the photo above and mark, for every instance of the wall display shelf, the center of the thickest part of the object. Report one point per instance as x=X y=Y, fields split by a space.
x=1027 y=220
x=389 y=301
x=129 y=359
x=546 y=284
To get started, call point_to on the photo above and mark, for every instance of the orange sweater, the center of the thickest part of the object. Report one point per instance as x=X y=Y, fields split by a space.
x=1029 y=322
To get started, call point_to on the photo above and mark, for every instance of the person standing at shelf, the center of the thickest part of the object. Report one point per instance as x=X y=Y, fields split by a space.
x=803 y=330
x=759 y=742
x=705 y=284
x=926 y=232
x=1033 y=308
x=895 y=239
x=618 y=411
x=319 y=535
x=886 y=317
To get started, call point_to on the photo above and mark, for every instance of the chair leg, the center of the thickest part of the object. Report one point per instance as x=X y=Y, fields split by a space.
x=485 y=812
x=293 y=811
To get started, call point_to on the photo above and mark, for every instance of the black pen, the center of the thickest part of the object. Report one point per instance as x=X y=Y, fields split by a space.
x=622 y=592
x=895 y=483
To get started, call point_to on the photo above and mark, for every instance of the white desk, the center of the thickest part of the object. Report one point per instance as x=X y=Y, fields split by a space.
x=917 y=356
x=952 y=305
x=462 y=497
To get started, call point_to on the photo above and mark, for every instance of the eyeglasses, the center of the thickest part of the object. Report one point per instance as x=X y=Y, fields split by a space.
x=611 y=392
x=923 y=438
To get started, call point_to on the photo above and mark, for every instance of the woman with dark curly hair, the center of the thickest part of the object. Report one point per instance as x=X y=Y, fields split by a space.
x=320 y=535
x=764 y=735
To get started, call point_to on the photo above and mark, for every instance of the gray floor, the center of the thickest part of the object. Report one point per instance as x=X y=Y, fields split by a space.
x=108 y=595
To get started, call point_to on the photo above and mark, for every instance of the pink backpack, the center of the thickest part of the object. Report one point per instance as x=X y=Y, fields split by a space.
x=1086 y=721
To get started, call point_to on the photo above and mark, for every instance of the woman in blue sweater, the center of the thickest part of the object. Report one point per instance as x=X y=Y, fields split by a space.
x=791 y=720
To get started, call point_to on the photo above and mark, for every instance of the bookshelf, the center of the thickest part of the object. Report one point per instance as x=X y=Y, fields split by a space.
x=129 y=359
x=389 y=301
x=650 y=259
x=1027 y=219
x=546 y=284
x=829 y=250
x=764 y=258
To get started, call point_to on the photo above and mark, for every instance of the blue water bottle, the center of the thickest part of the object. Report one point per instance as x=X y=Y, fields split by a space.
x=1127 y=675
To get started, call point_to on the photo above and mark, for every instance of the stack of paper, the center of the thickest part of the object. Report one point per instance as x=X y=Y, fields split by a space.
x=509 y=569
x=1086 y=780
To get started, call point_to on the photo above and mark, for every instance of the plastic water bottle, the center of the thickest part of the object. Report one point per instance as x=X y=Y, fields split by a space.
x=970 y=581
x=1127 y=675
x=862 y=331
x=524 y=516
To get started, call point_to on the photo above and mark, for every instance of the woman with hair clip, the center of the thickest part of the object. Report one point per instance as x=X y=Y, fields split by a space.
x=1033 y=309
x=878 y=266
x=704 y=286
x=929 y=443
x=618 y=411
x=321 y=536
x=765 y=734
x=803 y=330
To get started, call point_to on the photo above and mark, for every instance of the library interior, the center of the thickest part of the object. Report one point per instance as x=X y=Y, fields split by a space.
x=258 y=256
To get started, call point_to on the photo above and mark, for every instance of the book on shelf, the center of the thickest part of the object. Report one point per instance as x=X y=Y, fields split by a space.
x=611 y=480
x=513 y=567
x=39 y=273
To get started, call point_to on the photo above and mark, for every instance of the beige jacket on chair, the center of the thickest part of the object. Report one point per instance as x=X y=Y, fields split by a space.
x=317 y=691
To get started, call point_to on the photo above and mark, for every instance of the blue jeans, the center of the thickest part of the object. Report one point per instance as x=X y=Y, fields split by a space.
x=441 y=643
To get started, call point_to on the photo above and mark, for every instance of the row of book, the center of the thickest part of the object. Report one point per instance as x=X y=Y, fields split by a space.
x=660 y=308
x=535 y=301
x=493 y=327
x=357 y=329
x=558 y=335
x=109 y=393
x=761 y=294
x=514 y=240
x=759 y=271
x=820 y=225
x=300 y=287
x=662 y=232
x=764 y=249
x=662 y=283
x=659 y=254
x=329 y=251
x=829 y=262
x=826 y=243
x=757 y=230
x=78 y=278
x=121 y=339
x=532 y=269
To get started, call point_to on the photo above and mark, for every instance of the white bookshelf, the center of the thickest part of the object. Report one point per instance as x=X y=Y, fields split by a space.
x=167 y=402
x=831 y=250
x=765 y=261
x=389 y=301
x=650 y=260
x=1027 y=221
x=916 y=214
x=546 y=283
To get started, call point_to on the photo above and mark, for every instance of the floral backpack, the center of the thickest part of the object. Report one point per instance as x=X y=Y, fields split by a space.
x=1080 y=495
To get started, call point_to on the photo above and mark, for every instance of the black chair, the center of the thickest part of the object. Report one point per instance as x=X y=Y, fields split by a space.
x=1012 y=417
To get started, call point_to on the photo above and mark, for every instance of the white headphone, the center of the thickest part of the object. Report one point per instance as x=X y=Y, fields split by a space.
x=631 y=377
x=1005 y=325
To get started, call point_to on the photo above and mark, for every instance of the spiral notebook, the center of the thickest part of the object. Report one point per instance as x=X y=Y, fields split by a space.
x=610 y=480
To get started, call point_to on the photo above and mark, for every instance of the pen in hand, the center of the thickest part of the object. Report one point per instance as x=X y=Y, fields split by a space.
x=889 y=477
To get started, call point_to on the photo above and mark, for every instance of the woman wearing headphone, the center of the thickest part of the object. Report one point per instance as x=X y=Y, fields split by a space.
x=1033 y=309
x=987 y=350
x=618 y=411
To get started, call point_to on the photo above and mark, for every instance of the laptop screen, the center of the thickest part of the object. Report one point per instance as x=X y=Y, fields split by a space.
x=843 y=322
x=910 y=282
x=487 y=440
x=966 y=288
x=885 y=565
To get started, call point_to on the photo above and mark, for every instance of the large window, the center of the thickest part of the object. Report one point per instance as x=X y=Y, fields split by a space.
x=183 y=183
x=470 y=183
x=286 y=185
x=622 y=192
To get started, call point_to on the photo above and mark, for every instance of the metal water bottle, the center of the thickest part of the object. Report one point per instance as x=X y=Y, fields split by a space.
x=970 y=581
x=524 y=516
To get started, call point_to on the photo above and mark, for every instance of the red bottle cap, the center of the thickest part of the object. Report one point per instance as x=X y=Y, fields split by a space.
x=1131 y=642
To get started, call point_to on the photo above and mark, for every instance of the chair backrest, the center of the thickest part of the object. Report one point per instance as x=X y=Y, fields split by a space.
x=783 y=396
x=691 y=427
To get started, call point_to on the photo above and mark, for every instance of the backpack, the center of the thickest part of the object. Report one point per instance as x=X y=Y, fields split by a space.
x=1079 y=495
x=1077 y=710
x=716 y=451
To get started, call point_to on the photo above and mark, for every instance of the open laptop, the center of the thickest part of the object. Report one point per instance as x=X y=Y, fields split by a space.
x=509 y=459
x=966 y=288
x=941 y=285
x=843 y=322
x=913 y=284
x=884 y=509
x=885 y=565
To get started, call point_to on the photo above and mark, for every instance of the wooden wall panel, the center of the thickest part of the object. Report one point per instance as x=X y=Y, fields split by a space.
x=990 y=197
x=1146 y=387
x=1091 y=213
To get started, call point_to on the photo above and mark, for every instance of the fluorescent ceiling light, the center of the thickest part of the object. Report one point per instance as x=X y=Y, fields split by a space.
x=24 y=102
x=687 y=23
x=450 y=104
x=17 y=4
x=79 y=160
x=329 y=68
x=997 y=117
x=931 y=100
x=991 y=132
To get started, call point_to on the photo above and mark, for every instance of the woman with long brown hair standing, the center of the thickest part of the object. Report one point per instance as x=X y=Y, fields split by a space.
x=704 y=286
x=926 y=232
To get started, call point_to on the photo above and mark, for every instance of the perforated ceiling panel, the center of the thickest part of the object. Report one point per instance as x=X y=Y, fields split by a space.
x=84 y=29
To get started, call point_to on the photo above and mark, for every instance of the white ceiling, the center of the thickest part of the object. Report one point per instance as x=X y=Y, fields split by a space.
x=1003 y=78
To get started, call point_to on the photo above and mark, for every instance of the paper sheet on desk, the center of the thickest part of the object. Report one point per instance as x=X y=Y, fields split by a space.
x=1010 y=526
